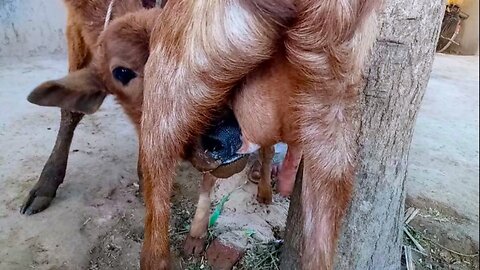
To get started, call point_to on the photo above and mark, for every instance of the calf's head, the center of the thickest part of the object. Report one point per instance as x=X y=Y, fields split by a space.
x=117 y=68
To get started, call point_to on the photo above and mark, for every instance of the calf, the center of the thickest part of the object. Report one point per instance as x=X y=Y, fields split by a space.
x=82 y=33
x=313 y=65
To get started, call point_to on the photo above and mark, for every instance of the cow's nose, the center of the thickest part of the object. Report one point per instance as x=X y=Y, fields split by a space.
x=223 y=139
x=216 y=151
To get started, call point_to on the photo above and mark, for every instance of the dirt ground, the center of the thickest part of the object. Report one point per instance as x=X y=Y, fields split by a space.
x=443 y=173
x=96 y=220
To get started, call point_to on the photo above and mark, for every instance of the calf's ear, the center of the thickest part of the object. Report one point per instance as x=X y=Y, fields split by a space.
x=80 y=91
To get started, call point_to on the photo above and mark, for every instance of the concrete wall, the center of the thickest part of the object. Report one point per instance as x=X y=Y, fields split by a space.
x=32 y=27
x=469 y=36
x=37 y=27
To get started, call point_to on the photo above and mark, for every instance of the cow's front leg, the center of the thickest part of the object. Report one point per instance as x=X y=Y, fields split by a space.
x=53 y=173
x=195 y=242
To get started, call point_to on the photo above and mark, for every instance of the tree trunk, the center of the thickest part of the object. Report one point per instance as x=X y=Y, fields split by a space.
x=292 y=249
x=396 y=80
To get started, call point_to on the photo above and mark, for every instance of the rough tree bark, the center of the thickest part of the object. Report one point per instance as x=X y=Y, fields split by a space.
x=396 y=80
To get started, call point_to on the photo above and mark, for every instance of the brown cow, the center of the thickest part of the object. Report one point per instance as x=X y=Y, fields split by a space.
x=313 y=65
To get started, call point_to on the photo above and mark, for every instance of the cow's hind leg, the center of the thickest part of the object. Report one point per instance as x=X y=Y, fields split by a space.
x=264 y=194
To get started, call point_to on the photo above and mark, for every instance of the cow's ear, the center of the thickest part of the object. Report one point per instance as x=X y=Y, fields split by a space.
x=80 y=91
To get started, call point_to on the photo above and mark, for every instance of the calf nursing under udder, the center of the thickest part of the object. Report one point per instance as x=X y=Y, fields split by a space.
x=290 y=72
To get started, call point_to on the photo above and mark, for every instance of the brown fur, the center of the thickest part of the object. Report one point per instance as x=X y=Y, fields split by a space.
x=187 y=77
x=317 y=78
x=89 y=16
x=319 y=75
x=195 y=242
x=123 y=43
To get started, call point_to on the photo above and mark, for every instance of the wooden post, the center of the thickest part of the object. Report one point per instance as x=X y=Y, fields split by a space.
x=292 y=248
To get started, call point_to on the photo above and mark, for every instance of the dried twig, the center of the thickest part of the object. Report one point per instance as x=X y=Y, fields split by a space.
x=408 y=258
x=450 y=250
x=418 y=251
x=411 y=213
x=415 y=242
x=409 y=216
x=85 y=223
x=408 y=213
x=273 y=260
x=262 y=261
x=439 y=245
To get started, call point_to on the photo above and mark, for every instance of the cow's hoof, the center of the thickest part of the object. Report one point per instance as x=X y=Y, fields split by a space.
x=194 y=246
x=34 y=204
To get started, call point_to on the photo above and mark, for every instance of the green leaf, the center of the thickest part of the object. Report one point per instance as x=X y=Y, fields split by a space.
x=249 y=232
x=218 y=210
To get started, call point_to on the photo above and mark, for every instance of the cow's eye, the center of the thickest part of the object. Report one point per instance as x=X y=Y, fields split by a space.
x=123 y=75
